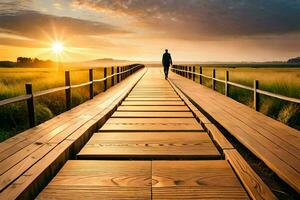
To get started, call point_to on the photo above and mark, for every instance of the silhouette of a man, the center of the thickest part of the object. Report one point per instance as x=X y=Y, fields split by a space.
x=166 y=61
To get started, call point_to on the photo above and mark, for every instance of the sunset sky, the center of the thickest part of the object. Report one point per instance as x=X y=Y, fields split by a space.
x=193 y=30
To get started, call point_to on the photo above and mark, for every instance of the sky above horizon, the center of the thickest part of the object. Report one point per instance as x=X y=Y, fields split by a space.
x=192 y=30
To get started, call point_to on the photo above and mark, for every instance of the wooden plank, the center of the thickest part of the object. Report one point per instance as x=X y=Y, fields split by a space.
x=287 y=142
x=218 y=136
x=151 y=124
x=149 y=145
x=158 y=90
x=153 y=92
x=192 y=107
x=153 y=103
x=15 y=165
x=195 y=180
x=22 y=140
x=255 y=187
x=152 y=99
x=153 y=108
x=262 y=146
x=101 y=180
x=254 y=130
x=152 y=95
x=24 y=180
x=125 y=114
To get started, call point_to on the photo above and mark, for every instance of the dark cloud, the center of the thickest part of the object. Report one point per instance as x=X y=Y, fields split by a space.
x=36 y=25
x=10 y=6
x=208 y=18
x=20 y=42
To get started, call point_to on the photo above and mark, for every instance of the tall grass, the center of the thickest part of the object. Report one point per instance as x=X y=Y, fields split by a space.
x=284 y=81
x=14 y=117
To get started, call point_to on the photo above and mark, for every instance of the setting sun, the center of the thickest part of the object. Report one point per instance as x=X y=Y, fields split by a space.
x=57 y=47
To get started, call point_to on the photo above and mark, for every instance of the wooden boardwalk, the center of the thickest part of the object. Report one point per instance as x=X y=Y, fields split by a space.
x=153 y=124
x=276 y=144
x=161 y=128
x=142 y=139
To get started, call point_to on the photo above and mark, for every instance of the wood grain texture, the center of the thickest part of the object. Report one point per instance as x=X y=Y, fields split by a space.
x=151 y=124
x=153 y=108
x=101 y=179
x=256 y=188
x=153 y=99
x=218 y=137
x=276 y=144
x=46 y=148
x=152 y=95
x=153 y=103
x=137 y=114
x=195 y=180
x=149 y=145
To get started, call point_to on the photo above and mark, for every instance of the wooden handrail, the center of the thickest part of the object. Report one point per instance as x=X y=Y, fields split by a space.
x=14 y=99
x=67 y=88
x=270 y=94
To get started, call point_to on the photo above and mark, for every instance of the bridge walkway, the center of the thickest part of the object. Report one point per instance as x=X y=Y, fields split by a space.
x=274 y=143
x=152 y=147
x=141 y=139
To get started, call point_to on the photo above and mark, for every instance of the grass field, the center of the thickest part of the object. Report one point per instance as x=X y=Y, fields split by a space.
x=285 y=81
x=13 y=117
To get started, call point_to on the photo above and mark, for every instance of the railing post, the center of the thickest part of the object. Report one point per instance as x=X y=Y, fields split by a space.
x=113 y=77
x=200 y=77
x=186 y=73
x=190 y=70
x=118 y=76
x=91 y=78
x=104 y=76
x=226 y=83
x=182 y=68
x=68 y=90
x=213 y=83
x=194 y=76
x=255 y=95
x=30 y=105
x=122 y=75
x=180 y=72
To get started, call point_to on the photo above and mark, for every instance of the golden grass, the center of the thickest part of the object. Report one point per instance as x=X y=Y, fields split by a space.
x=285 y=81
x=13 y=117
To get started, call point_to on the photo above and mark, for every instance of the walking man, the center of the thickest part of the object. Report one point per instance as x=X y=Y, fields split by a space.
x=166 y=61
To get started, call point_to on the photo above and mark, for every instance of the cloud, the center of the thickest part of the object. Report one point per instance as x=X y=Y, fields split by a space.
x=10 y=6
x=195 y=19
x=20 y=42
x=36 y=25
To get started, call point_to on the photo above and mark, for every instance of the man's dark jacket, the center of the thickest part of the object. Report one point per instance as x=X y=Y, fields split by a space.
x=167 y=60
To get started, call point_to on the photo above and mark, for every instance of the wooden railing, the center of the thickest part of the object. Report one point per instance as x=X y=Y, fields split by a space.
x=122 y=73
x=189 y=72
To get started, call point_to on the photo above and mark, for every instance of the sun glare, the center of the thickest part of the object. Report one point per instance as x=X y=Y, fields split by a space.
x=57 y=47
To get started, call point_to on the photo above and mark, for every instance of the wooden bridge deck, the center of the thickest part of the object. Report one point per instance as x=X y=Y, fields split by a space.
x=276 y=144
x=144 y=139
x=155 y=138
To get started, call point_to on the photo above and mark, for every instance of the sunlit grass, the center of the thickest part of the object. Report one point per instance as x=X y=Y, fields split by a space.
x=13 y=117
x=12 y=83
x=284 y=81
